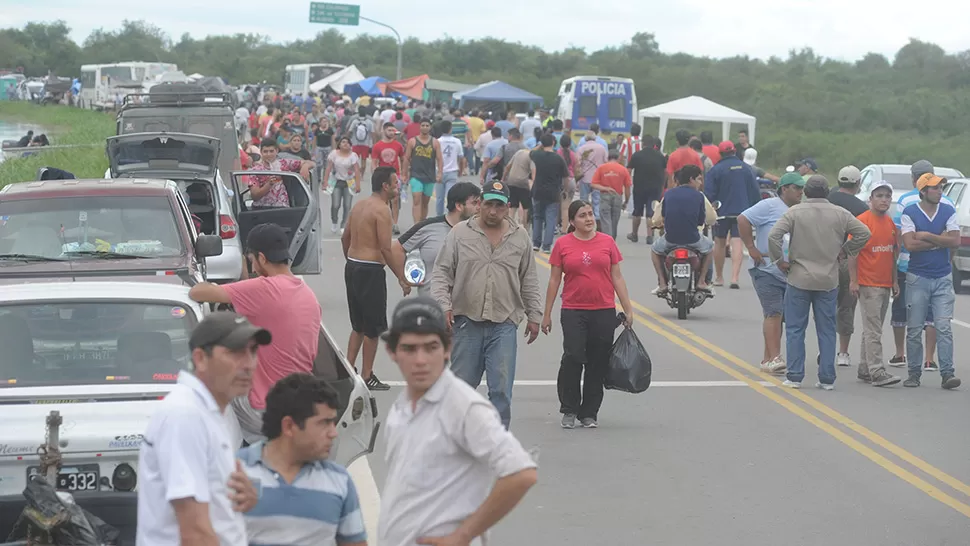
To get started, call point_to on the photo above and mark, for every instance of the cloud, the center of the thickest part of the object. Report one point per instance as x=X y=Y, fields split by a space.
x=840 y=29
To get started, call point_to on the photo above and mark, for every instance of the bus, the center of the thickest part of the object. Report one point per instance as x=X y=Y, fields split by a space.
x=606 y=100
x=298 y=77
x=97 y=80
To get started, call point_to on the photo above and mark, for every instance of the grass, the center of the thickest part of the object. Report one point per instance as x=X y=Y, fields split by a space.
x=64 y=126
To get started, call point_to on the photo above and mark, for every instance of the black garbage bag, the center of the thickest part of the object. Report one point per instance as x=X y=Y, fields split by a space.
x=68 y=523
x=629 y=368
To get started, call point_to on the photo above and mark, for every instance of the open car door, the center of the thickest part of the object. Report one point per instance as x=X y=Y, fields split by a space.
x=357 y=430
x=300 y=219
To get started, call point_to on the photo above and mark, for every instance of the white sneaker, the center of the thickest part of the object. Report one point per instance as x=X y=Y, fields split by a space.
x=334 y=228
x=824 y=386
x=843 y=359
x=775 y=366
x=792 y=384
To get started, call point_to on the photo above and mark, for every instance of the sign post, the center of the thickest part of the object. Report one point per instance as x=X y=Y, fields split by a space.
x=349 y=14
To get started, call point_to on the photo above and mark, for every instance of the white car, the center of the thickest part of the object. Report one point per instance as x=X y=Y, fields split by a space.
x=899 y=176
x=103 y=355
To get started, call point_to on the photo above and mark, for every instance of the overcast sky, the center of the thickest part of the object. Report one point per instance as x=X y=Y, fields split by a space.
x=841 y=29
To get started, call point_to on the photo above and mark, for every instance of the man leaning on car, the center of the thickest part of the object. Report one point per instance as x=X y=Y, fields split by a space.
x=278 y=301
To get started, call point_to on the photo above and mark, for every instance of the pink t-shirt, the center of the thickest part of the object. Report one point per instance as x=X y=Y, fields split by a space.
x=285 y=306
x=586 y=265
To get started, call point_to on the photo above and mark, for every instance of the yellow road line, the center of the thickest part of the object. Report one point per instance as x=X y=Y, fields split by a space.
x=851 y=442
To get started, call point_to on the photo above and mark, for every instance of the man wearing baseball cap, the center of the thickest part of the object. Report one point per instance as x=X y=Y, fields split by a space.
x=930 y=230
x=732 y=183
x=769 y=282
x=191 y=489
x=457 y=471
x=806 y=167
x=485 y=279
x=872 y=280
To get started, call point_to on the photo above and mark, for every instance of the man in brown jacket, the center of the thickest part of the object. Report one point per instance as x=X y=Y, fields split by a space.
x=816 y=229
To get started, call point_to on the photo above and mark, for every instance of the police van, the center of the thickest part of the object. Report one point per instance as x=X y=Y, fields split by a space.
x=605 y=100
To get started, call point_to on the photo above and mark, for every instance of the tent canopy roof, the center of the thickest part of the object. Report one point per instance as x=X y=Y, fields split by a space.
x=338 y=79
x=409 y=87
x=446 y=86
x=696 y=108
x=497 y=91
x=368 y=86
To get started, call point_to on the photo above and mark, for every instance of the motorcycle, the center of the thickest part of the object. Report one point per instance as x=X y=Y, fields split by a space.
x=682 y=268
x=768 y=188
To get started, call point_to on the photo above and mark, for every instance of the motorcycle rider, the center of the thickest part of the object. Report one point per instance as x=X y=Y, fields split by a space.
x=684 y=209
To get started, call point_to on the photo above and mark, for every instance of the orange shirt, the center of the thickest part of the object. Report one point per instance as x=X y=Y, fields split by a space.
x=612 y=175
x=680 y=157
x=876 y=259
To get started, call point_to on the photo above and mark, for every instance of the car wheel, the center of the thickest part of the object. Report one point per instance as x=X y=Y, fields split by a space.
x=957 y=279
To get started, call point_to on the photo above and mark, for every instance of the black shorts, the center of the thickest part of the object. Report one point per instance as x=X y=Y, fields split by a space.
x=366 y=297
x=643 y=201
x=520 y=197
x=725 y=225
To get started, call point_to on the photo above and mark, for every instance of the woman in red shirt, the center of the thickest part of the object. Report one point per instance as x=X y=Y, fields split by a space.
x=590 y=262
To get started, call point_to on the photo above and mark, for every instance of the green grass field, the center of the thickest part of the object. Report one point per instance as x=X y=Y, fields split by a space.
x=64 y=126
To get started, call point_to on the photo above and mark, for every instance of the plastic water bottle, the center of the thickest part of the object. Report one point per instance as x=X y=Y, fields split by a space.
x=414 y=270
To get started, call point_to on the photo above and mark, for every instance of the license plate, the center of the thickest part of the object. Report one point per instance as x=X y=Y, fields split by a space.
x=682 y=270
x=83 y=477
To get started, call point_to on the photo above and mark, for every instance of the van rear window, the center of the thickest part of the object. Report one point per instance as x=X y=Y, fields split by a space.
x=587 y=106
x=616 y=108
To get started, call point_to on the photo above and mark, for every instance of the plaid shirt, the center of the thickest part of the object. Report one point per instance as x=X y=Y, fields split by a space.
x=277 y=196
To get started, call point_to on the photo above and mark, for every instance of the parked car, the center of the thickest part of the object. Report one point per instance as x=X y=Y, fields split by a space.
x=106 y=229
x=957 y=190
x=103 y=355
x=899 y=176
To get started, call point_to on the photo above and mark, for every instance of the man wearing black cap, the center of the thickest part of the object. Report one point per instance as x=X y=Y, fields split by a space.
x=485 y=279
x=279 y=301
x=191 y=489
x=453 y=470
x=806 y=167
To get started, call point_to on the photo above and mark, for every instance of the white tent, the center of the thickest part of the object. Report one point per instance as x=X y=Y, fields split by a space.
x=696 y=108
x=338 y=80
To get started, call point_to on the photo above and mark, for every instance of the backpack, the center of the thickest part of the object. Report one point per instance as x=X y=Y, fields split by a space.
x=359 y=130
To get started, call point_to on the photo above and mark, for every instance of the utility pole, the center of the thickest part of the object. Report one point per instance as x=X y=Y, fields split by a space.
x=400 y=44
x=349 y=14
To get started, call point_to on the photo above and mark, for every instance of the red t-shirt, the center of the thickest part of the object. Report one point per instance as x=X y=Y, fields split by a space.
x=712 y=152
x=612 y=175
x=586 y=266
x=683 y=156
x=284 y=305
x=412 y=130
x=388 y=154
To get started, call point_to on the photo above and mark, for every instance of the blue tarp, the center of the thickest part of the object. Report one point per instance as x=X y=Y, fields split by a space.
x=496 y=91
x=368 y=86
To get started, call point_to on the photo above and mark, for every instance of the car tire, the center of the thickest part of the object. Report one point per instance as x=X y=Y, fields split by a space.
x=957 y=279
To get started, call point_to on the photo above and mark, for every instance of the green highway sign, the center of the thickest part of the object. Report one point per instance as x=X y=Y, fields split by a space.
x=334 y=14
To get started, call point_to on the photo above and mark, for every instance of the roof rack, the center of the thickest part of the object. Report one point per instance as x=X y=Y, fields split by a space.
x=194 y=98
x=181 y=272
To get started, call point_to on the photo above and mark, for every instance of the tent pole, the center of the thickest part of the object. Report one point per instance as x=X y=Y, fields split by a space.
x=400 y=44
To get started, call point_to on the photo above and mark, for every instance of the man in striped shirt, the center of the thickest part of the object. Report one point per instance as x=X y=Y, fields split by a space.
x=304 y=499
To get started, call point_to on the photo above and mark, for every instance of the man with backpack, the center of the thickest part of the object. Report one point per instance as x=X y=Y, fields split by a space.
x=361 y=133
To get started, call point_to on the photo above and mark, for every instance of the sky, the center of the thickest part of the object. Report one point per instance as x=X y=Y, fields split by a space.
x=839 y=29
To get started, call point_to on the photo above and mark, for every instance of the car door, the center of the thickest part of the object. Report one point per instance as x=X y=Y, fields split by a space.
x=358 y=425
x=300 y=220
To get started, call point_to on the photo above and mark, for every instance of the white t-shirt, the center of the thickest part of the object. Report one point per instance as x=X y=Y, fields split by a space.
x=387 y=115
x=451 y=149
x=186 y=453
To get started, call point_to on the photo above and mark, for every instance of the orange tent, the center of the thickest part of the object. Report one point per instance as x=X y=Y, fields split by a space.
x=409 y=87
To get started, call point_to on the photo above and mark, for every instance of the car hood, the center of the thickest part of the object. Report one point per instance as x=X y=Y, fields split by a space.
x=146 y=154
x=143 y=269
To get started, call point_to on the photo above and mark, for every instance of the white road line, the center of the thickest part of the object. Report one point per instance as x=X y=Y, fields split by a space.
x=370 y=497
x=960 y=323
x=552 y=383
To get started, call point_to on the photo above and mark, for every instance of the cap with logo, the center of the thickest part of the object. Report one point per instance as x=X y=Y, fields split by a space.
x=726 y=147
x=850 y=175
x=791 y=179
x=230 y=330
x=269 y=240
x=495 y=191
x=420 y=315
x=929 y=180
x=921 y=167
x=881 y=184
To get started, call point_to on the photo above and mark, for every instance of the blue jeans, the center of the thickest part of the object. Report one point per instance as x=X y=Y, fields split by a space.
x=487 y=348
x=441 y=189
x=922 y=295
x=823 y=305
x=544 y=216
x=587 y=193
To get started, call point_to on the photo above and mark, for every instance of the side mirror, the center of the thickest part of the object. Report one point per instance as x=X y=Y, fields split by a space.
x=208 y=245
x=716 y=205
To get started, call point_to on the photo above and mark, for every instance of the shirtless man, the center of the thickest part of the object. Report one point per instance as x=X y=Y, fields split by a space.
x=423 y=167
x=367 y=247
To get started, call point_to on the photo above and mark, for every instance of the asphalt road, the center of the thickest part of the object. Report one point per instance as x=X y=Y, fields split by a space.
x=715 y=452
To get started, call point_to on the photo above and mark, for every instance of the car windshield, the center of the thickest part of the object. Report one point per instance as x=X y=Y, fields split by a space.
x=87 y=343
x=899 y=181
x=63 y=227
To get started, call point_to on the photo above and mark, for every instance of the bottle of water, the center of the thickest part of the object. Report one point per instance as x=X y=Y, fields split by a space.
x=414 y=270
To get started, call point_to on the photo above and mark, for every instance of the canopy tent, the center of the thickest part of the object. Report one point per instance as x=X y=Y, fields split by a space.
x=496 y=92
x=409 y=87
x=696 y=108
x=338 y=80
x=442 y=91
x=369 y=86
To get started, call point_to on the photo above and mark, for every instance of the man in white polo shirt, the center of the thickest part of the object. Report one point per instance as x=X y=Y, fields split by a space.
x=454 y=471
x=192 y=490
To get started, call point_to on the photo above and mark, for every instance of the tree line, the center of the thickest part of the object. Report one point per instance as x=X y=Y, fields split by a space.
x=873 y=110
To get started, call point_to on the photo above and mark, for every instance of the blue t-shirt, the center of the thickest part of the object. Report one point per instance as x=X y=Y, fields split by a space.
x=905 y=200
x=929 y=264
x=505 y=125
x=763 y=216
x=732 y=183
x=683 y=212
